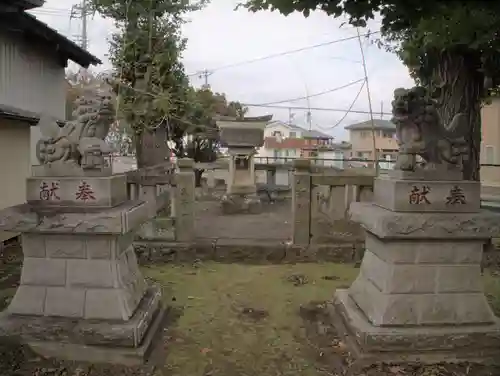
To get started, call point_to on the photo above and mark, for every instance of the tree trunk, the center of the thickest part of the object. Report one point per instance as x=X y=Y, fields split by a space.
x=151 y=148
x=461 y=91
x=198 y=173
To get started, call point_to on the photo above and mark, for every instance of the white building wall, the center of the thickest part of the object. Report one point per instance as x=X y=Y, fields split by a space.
x=30 y=80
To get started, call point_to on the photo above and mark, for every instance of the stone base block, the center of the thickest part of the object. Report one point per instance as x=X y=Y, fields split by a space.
x=85 y=191
x=97 y=341
x=369 y=344
x=241 y=204
x=427 y=195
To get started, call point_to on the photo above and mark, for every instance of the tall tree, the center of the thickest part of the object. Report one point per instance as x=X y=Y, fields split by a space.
x=451 y=48
x=149 y=76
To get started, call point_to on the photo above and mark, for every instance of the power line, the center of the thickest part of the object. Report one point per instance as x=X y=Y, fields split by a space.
x=316 y=94
x=286 y=53
x=312 y=108
x=349 y=109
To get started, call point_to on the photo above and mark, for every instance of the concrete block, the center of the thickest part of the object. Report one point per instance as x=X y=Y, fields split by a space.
x=387 y=224
x=397 y=253
x=449 y=252
x=459 y=278
x=90 y=273
x=28 y=300
x=65 y=246
x=33 y=245
x=104 y=304
x=100 y=247
x=438 y=309
x=427 y=196
x=64 y=302
x=412 y=279
x=43 y=272
x=474 y=309
x=104 y=191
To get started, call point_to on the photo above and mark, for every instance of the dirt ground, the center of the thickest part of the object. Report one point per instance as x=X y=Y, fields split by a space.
x=272 y=225
x=237 y=320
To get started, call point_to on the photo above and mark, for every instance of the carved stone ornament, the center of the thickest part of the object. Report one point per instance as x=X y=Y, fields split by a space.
x=79 y=144
x=420 y=132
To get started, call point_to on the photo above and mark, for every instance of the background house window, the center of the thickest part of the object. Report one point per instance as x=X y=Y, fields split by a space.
x=489 y=155
x=387 y=134
x=292 y=135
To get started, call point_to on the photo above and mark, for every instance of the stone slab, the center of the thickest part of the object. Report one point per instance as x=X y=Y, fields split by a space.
x=369 y=344
x=103 y=192
x=241 y=204
x=128 y=334
x=120 y=219
x=64 y=170
x=385 y=223
x=427 y=196
x=447 y=175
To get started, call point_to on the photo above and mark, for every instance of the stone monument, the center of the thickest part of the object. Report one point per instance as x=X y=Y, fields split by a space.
x=81 y=294
x=242 y=137
x=418 y=296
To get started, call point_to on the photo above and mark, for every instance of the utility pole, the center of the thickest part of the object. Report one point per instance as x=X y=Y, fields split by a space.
x=205 y=74
x=82 y=11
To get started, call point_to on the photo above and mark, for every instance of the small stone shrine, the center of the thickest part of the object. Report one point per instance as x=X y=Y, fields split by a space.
x=241 y=137
x=81 y=295
x=418 y=296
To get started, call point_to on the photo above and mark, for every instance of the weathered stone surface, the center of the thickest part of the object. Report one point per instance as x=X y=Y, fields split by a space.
x=64 y=302
x=104 y=191
x=90 y=273
x=425 y=252
x=425 y=344
x=241 y=204
x=85 y=339
x=118 y=220
x=431 y=226
x=301 y=202
x=28 y=300
x=33 y=245
x=43 y=272
x=64 y=246
x=427 y=196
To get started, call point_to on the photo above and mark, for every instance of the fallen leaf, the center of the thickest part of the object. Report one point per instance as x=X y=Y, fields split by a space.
x=205 y=350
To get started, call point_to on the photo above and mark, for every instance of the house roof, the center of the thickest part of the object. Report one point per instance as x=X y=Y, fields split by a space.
x=14 y=113
x=21 y=4
x=39 y=33
x=378 y=124
x=305 y=133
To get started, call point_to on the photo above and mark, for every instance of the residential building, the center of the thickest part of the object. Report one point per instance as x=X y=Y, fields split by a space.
x=361 y=136
x=284 y=142
x=490 y=143
x=33 y=58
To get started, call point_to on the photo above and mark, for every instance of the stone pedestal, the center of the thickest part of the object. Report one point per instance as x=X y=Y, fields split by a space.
x=82 y=295
x=419 y=295
x=242 y=137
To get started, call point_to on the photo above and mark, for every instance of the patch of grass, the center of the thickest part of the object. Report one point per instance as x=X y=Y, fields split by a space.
x=244 y=320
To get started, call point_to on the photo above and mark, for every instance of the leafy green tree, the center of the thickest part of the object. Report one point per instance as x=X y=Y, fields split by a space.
x=450 y=47
x=149 y=77
x=203 y=134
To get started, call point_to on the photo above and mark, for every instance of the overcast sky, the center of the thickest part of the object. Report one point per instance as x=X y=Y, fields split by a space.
x=219 y=39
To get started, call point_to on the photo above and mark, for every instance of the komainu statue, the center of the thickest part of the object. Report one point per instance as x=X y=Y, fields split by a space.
x=79 y=146
x=420 y=132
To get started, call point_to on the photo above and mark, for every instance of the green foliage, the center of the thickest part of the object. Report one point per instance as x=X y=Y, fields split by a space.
x=450 y=47
x=146 y=50
x=204 y=136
